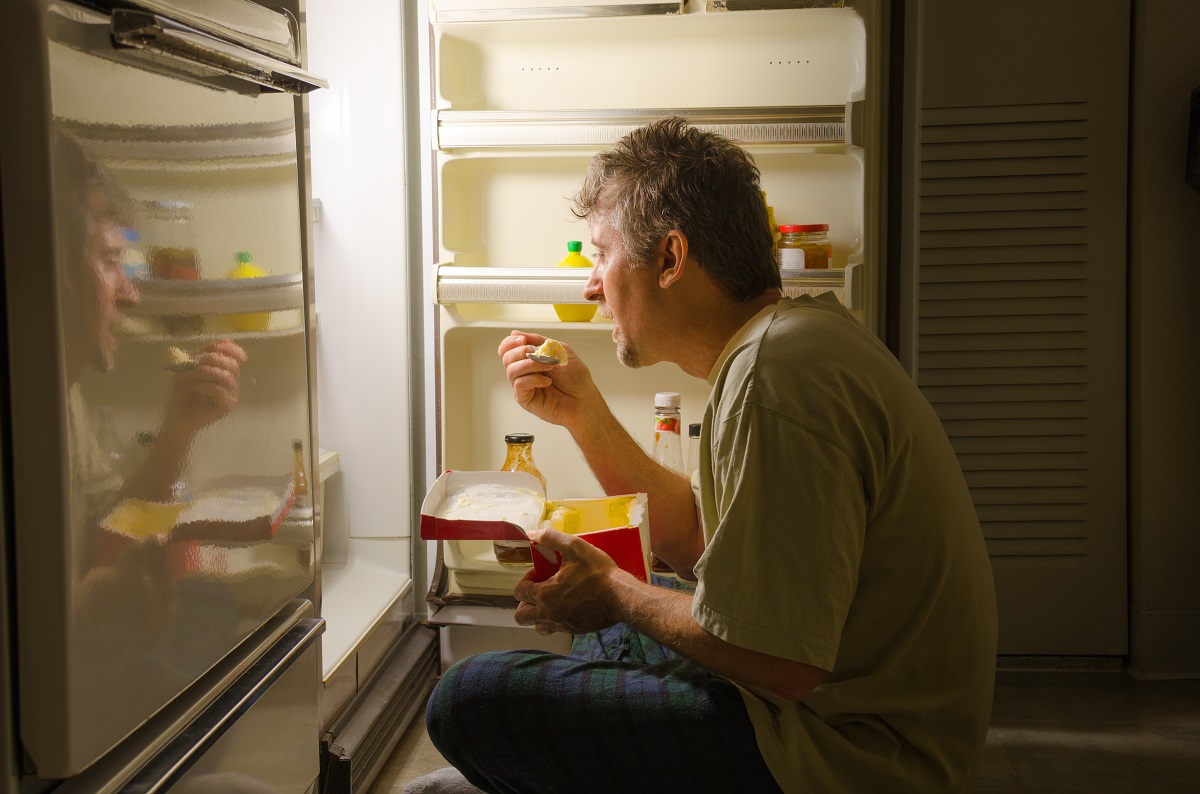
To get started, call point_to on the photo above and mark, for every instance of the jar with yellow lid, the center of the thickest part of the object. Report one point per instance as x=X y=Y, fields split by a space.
x=804 y=247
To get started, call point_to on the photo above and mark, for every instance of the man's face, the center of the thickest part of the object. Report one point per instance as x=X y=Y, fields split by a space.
x=106 y=293
x=624 y=291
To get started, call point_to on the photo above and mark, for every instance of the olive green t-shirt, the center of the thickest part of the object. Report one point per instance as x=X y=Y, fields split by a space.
x=840 y=533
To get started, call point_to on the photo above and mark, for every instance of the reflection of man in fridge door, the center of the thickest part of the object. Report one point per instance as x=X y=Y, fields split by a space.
x=841 y=635
x=115 y=517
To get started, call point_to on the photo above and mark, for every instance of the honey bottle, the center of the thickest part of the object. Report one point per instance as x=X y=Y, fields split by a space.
x=518 y=457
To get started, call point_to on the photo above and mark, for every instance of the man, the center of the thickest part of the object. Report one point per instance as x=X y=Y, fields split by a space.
x=96 y=294
x=841 y=636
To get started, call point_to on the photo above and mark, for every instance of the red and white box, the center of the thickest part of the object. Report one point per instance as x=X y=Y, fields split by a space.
x=503 y=505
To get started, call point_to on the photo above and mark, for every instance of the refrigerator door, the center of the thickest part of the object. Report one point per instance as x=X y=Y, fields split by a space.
x=155 y=306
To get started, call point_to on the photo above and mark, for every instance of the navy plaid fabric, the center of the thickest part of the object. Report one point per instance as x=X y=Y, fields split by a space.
x=621 y=713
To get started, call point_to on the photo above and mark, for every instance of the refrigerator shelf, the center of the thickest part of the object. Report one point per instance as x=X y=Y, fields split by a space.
x=456 y=284
x=220 y=296
x=469 y=129
x=133 y=333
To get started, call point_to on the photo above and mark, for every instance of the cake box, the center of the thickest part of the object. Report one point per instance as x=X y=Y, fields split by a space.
x=503 y=505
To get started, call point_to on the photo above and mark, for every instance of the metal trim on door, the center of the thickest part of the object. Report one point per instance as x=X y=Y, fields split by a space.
x=153 y=33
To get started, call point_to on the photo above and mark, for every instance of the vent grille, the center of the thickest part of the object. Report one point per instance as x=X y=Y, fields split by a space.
x=1004 y=314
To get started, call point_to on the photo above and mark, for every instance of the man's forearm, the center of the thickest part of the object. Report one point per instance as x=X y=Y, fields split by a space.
x=666 y=615
x=621 y=466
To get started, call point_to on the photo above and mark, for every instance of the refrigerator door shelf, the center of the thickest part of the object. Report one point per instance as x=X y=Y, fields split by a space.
x=465 y=129
x=465 y=630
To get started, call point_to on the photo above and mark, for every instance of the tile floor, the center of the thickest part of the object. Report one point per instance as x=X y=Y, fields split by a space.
x=1052 y=731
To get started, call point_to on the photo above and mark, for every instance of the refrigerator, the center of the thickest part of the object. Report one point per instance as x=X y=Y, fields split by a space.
x=160 y=627
x=443 y=167
x=517 y=111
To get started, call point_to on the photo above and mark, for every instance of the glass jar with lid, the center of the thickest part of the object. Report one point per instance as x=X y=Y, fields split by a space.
x=518 y=457
x=804 y=247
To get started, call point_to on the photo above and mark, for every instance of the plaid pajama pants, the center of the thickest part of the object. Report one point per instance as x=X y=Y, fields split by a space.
x=621 y=713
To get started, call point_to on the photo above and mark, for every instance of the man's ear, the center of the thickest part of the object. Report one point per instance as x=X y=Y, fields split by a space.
x=673 y=262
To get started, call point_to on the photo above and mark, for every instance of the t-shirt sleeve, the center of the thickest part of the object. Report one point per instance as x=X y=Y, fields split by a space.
x=781 y=568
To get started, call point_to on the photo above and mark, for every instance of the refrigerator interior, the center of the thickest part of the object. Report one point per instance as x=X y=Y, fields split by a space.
x=520 y=107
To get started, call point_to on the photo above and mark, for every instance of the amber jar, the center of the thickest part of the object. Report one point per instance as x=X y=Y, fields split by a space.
x=519 y=457
x=805 y=247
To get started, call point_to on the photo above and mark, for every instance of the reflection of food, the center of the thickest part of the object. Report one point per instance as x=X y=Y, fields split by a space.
x=176 y=264
x=134 y=518
x=551 y=351
x=131 y=524
x=178 y=357
x=251 y=321
x=239 y=511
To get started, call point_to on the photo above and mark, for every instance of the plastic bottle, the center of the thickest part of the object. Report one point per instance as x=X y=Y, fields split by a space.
x=668 y=447
x=771 y=220
x=693 y=456
x=133 y=261
x=668 y=443
x=518 y=457
x=252 y=321
x=575 y=312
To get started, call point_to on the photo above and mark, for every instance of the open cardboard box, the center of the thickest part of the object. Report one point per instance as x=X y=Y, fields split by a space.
x=614 y=524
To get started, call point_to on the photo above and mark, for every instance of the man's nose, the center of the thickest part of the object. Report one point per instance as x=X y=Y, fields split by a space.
x=127 y=291
x=593 y=290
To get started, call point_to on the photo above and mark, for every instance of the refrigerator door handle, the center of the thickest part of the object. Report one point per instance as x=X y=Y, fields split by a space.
x=152 y=33
x=168 y=766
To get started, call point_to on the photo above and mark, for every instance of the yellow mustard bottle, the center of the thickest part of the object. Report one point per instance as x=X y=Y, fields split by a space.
x=252 y=321
x=575 y=312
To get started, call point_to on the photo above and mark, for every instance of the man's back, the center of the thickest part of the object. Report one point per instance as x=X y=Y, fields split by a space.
x=841 y=534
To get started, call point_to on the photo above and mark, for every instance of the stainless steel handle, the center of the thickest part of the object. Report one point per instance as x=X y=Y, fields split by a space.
x=153 y=33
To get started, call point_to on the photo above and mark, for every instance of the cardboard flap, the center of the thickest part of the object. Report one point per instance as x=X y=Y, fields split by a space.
x=433 y=528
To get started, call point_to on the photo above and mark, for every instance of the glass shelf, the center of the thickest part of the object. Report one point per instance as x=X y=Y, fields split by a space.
x=219 y=296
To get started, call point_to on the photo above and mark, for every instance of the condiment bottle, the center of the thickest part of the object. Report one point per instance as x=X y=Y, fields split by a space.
x=771 y=220
x=693 y=457
x=805 y=247
x=575 y=312
x=518 y=457
x=299 y=475
x=668 y=446
x=251 y=321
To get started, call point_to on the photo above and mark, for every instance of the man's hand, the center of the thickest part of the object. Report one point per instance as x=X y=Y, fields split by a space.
x=207 y=391
x=561 y=395
x=574 y=600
